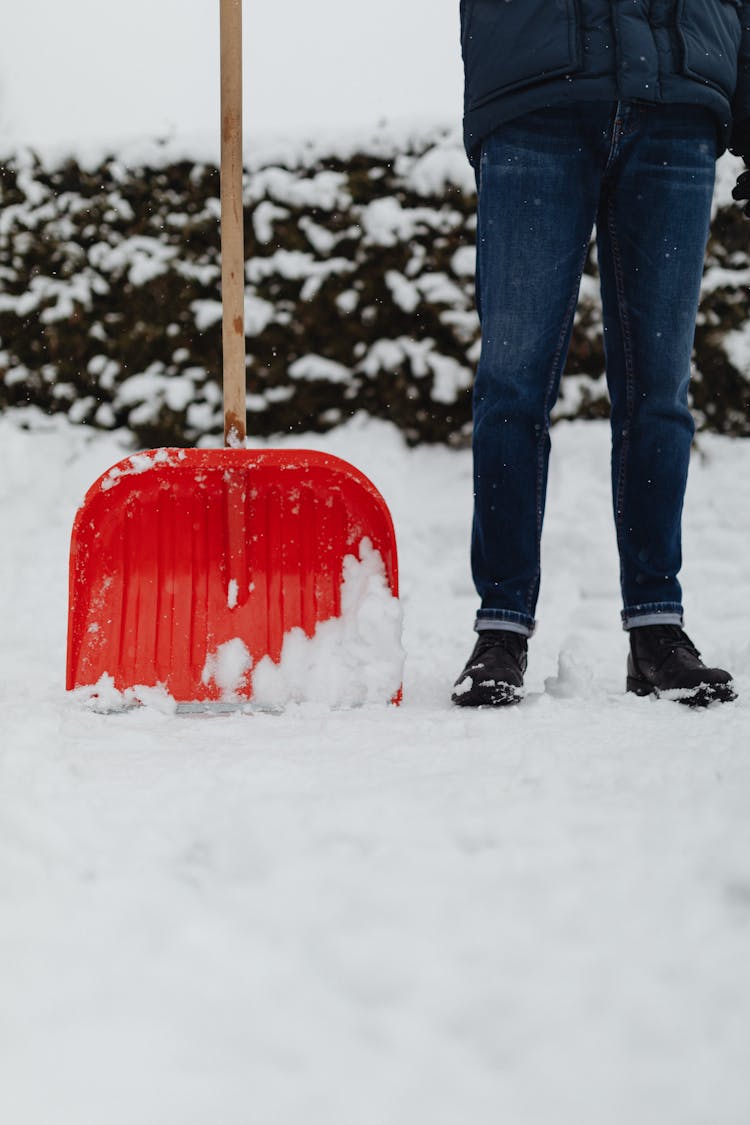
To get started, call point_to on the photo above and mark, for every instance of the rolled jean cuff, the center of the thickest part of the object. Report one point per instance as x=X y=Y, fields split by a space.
x=504 y=619
x=657 y=613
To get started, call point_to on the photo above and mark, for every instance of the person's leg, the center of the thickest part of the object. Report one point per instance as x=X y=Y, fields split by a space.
x=538 y=189
x=539 y=182
x=652 y=229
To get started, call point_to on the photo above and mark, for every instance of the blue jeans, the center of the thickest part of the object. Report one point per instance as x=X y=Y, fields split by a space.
x=644 y=175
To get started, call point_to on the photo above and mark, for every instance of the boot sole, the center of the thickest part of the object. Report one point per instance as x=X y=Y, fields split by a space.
x=488 y=695
x=703 y=695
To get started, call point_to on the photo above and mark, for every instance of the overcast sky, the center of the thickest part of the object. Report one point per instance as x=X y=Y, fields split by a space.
x=80 y=70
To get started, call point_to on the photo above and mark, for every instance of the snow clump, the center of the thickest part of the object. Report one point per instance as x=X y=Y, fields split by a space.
x=228 y=667
x=104 y=698
x=574 y=679
x=350 y=660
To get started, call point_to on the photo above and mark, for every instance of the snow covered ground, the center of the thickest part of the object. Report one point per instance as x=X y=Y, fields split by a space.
x=385 y=916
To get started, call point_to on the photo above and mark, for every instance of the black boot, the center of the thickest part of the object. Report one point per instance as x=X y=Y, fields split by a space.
x=493 y=676
x=663 y=661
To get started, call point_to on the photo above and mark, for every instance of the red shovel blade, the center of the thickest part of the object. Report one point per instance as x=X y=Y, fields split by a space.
x=175 y=552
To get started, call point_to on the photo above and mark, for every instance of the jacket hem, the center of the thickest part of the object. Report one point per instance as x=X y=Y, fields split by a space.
x=507 y=106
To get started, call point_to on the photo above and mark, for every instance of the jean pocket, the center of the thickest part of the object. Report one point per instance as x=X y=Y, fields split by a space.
x=710 y=32
x=509 y=44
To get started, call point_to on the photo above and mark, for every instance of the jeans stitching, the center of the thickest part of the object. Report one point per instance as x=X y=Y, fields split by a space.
x=627 y=352
x=616 y=128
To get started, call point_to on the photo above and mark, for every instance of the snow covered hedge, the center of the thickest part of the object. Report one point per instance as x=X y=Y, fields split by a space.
x=359 y=296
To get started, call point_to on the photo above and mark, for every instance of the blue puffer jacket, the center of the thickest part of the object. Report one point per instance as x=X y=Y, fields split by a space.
x=521 y=55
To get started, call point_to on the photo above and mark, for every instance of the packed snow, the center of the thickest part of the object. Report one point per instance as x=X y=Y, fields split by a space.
x=229 y=668
x=351 y=660
x=379 y=914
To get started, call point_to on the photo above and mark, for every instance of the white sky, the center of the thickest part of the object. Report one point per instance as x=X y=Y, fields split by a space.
x=87 y=70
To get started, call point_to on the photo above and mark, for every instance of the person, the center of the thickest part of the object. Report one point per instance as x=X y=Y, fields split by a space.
x=583 y=114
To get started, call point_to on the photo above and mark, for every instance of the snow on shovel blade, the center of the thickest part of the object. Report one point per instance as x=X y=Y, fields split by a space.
x=177 y=552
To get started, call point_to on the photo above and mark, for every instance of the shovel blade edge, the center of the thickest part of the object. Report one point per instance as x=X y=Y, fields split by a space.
x=178 y=552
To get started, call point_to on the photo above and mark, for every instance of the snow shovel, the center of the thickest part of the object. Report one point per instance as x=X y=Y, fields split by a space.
x=188 y=566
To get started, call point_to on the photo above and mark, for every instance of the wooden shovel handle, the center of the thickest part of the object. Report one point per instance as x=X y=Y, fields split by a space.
x=232 y=235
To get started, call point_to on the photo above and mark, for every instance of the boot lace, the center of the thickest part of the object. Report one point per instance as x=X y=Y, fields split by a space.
x=675 y=638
